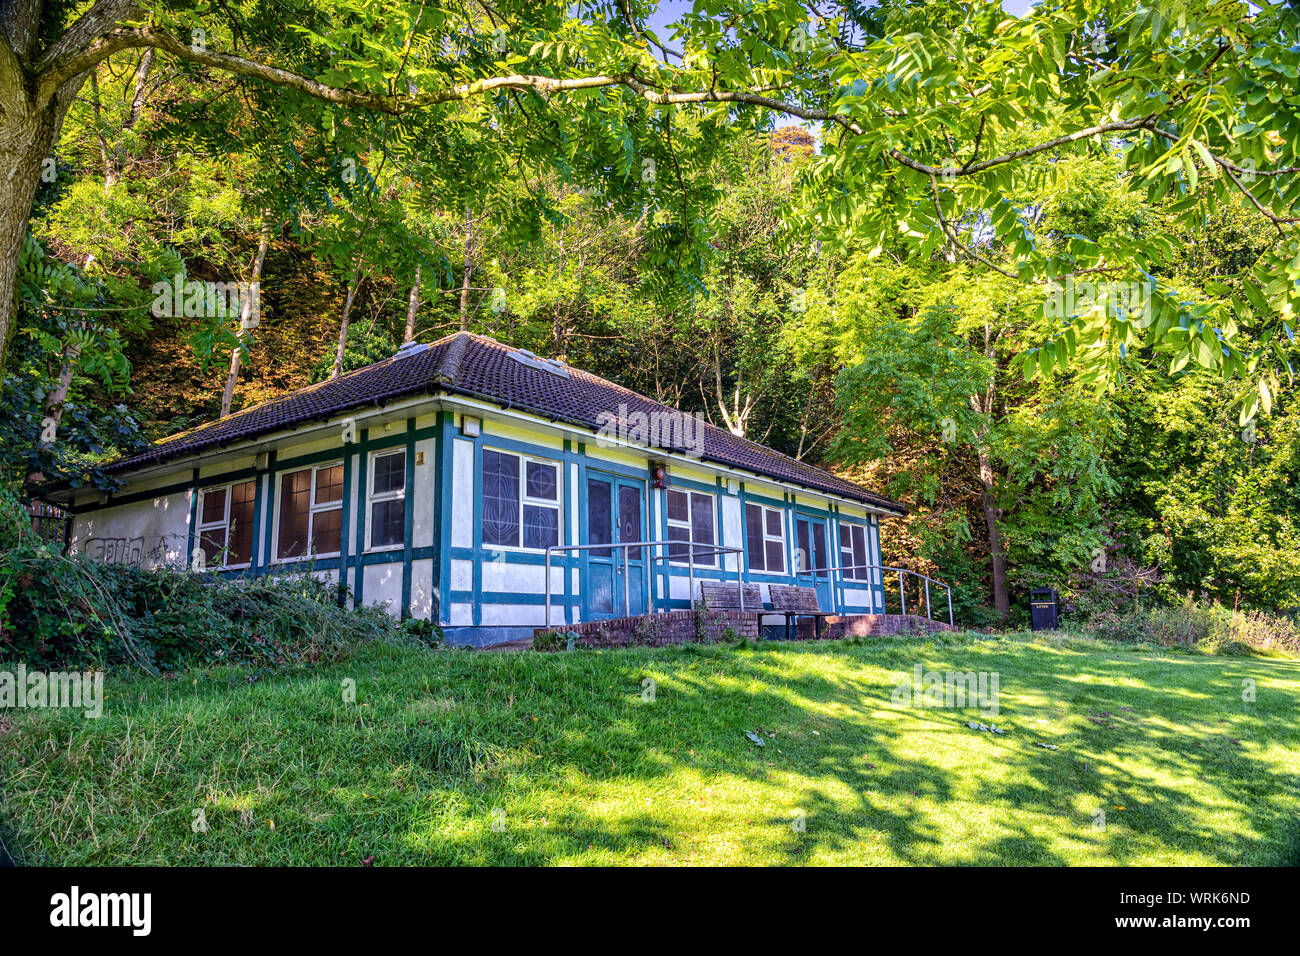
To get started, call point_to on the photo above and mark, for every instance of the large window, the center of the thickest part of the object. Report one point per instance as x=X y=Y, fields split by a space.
x=226 y=524
x=311 y=512
x=521 y=501
x=690 y=520
x=853 y=551
x=387 y=500
x=765 y=538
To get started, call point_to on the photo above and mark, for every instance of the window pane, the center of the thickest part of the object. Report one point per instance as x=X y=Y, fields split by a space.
x=214 y=506
x=860 y=553
x=803 y=547
x=775 y=557
x=600 y=516
x=629 y=514
x=325 y=527
x=773 y=521
x=677 y=533
x=295 y=490
x=754 y=537
x=702 y=526
x=390 y=473
x=243 y=498
x=629 y=518
x=820 y=562
x=329 y=484
x=541 y=526
x=677 y=506
x=500 y=498
x=387 y=523
x=541 y=482
x=213 y=544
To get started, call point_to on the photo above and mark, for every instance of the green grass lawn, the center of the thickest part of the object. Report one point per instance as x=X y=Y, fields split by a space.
x=455 y=757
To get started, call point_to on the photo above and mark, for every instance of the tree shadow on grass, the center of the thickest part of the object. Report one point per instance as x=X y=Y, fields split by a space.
x=1110 y=763
x=567 y=747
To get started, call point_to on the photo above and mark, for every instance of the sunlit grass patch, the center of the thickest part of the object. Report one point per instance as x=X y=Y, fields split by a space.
x=455 y=757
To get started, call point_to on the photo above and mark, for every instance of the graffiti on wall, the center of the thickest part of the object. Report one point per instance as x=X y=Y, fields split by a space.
x=150 y=551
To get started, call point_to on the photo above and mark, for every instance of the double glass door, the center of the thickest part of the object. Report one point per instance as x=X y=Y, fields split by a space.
x=615 y=584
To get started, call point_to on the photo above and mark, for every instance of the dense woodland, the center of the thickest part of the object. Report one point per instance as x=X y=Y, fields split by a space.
x=897 y=326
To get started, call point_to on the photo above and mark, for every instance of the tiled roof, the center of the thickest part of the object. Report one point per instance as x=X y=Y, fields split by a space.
x=477 y=366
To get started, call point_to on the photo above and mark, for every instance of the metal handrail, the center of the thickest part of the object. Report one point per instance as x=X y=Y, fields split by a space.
x=902 y=596
x=693 y=549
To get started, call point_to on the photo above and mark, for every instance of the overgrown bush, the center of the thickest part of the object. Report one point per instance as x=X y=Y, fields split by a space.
x=423 y=631
x=1208 y=624
x=554 y=640
x=15 y=523
x=69 y=612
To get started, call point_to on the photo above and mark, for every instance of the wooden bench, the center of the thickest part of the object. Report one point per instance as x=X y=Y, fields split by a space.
x=796 y=602
x=724 y=596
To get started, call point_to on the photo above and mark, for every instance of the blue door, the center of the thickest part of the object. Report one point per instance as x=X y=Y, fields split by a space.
x=812 y=558
x=616 y=586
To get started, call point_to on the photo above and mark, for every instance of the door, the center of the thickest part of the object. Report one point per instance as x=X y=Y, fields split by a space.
x=812 y=558
x=615 y=512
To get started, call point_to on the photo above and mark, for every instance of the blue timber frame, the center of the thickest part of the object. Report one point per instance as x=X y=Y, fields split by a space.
x=574 y=462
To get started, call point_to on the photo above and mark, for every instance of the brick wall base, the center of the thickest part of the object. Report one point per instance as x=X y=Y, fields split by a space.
x=655 y=630
x=705 y=626
x=869 y=625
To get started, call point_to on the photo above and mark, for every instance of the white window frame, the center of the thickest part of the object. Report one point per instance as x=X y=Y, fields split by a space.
x=224 y=524
x=312 y=510
x=556 y=504
x=866 y=573
x=768 y=536
x=875 y=574
x=372 y=498
x=704 y=561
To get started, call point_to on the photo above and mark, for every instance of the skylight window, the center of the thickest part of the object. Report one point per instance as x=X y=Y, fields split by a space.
x=525 y=357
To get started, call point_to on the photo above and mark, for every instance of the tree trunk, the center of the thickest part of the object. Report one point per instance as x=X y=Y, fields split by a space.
x=55 y=400
x=343 y=324
x=412 y=307
x=25 y=142
x=997 y=550
x=469 y=270
x=32 y=107
x=736 y=417
x=133 y=115
x=245 y=319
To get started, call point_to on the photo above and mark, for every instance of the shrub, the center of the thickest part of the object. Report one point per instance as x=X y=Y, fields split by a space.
x=69 y=612
x=555 y=640
x=15 y=525
x=1211 y=625
x=423 y=631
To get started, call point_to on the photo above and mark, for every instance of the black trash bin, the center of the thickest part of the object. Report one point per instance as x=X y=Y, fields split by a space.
x=1042 y=609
